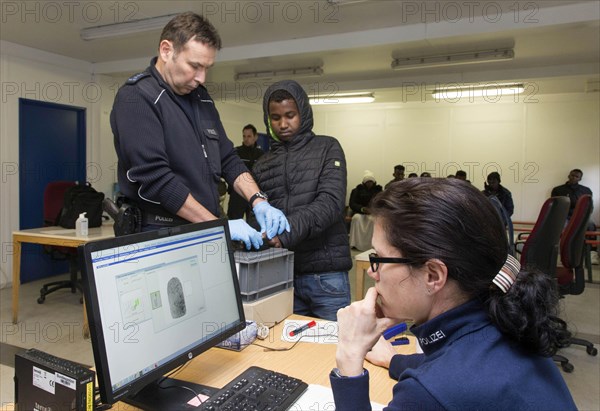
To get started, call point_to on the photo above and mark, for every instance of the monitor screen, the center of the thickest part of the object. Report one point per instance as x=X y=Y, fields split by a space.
x=157 y=299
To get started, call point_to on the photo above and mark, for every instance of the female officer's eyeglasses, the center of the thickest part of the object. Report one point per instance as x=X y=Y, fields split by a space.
x=376 y=261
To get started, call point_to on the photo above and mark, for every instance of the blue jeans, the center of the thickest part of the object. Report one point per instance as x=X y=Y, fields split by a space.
x=321 y=295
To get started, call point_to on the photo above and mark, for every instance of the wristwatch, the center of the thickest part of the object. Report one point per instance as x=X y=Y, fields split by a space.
x=260 y=194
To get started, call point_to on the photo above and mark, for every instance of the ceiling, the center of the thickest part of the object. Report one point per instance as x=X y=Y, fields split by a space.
x=556 y=43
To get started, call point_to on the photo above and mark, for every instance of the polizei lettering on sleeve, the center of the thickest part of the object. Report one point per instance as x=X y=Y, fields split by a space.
x=433 y=337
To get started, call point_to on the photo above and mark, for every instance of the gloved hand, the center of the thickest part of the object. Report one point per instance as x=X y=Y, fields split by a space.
x=240 y=230
x=272 y=221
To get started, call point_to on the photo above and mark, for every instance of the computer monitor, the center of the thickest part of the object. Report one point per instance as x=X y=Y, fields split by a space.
x=154 y=301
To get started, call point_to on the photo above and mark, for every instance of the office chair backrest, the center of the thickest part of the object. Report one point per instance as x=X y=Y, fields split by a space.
x=54 y=197
x=572 y=246
x=507 y=222
x=541 y=247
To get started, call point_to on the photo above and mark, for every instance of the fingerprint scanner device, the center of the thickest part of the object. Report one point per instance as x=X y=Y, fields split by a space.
x=46 y=382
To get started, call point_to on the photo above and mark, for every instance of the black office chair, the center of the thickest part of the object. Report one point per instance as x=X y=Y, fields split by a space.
x=507 y=222
x=540 y=249
x=54 y=194
x=571 y=276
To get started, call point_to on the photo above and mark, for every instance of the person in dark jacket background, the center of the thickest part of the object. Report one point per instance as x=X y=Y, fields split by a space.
x=572 y=189
x=249 y=152
x=305 y=176
x=398 y=174
x=494 y=188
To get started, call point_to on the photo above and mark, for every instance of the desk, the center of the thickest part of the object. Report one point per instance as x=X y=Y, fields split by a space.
x=49 y=236
x=308 y=361
x=361 y=265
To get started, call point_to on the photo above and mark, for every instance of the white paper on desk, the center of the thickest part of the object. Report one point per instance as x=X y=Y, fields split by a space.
x=325 y=332
x=320 y=398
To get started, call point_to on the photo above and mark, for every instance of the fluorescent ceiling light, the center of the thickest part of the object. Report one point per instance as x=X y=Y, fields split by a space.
x=126 y=28
x=487 y=56
x=493 y=91
x=289 y=72
x=342 y=2
x=346 y=98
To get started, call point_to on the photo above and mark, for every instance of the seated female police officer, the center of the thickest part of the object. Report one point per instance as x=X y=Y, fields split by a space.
x=486 y=328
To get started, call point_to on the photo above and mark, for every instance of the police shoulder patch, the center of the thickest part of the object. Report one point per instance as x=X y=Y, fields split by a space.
x=137 y=77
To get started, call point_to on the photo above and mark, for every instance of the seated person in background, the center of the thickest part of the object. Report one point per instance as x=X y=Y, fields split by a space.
x=425 y=174
x=462 y=175
x=486 y=328
x=494 y=188
x=411 y=175
x=361 y=226
x=398 y=175
x=574 y=190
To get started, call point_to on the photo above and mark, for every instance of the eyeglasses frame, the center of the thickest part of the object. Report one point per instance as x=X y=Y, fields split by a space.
x=375 y=261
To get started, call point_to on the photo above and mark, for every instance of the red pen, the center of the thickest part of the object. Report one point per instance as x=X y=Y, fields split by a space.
x=303 y=328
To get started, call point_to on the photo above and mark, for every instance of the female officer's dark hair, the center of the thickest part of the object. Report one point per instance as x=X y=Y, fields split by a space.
x=446 y=219
x=181 y=28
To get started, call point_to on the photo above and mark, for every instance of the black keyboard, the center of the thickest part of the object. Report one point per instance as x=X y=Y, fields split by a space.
x=257 y=389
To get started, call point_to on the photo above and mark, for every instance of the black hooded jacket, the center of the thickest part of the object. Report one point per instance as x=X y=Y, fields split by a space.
x=306 y=179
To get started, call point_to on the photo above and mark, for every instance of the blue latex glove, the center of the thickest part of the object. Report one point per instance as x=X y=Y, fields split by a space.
x=272 y=221
x=241 y=231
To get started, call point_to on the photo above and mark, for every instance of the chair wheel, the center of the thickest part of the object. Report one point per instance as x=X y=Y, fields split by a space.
x=593 y=351
x=41 y=300
x=567 y=367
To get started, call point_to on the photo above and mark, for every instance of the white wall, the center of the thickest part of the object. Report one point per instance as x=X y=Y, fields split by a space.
x=235 y=116
x=533 y=145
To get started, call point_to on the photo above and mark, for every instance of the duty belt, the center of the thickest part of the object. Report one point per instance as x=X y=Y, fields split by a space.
x=162 y=220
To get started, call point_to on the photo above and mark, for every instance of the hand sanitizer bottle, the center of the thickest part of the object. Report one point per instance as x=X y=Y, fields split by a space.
x=81 y=225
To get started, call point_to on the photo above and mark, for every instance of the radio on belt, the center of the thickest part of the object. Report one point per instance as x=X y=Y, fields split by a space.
x=45 y=382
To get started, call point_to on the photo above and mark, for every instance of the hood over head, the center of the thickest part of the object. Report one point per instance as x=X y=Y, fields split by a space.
x=304 y=108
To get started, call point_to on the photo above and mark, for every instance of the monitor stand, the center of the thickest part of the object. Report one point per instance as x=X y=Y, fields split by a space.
x=170 y=395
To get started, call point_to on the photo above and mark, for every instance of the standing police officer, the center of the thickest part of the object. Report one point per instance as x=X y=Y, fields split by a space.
x=171 y=144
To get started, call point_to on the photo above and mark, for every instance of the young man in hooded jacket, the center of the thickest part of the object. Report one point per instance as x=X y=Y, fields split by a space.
x=304 y=175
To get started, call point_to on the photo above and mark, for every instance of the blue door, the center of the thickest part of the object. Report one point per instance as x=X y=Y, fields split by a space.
x=51 y=148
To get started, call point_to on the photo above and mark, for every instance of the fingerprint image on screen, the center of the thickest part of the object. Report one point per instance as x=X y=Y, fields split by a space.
x=175 y=291
x=176 y=297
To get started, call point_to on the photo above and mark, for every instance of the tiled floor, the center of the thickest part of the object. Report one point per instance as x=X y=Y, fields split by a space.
x=56 y=327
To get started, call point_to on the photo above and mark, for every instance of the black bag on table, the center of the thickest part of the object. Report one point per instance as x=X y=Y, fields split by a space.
x=81 y=198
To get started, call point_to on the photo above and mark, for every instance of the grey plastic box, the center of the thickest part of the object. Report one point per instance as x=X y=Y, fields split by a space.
x=262 y=273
